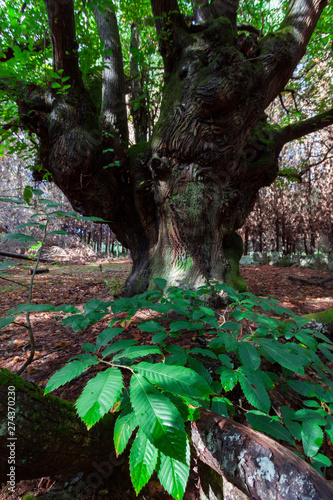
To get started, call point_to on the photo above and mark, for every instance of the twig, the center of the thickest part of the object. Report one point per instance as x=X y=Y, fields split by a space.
x=12 y=281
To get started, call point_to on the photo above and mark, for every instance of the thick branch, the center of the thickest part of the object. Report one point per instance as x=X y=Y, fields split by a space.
x=169 y=25
x=64 y=45
x=226 y=8
x=282 y=50
x=305 y=127
x=113 y=90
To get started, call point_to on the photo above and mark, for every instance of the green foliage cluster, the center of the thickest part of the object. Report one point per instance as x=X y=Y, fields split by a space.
x=157 y=387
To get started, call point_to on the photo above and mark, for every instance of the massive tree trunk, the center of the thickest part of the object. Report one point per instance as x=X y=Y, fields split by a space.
x=178 y=201
x=51 y=439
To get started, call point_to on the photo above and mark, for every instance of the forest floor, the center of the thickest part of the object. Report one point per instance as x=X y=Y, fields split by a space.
x=56 y=343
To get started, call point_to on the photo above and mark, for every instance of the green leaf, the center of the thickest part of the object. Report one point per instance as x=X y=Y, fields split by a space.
x=123 y=429
x=315 y=416
x=199 y=368
x=180 y=325
x=151 y=327
x=68 y=372
x=34 y=308
x=22 y=238
x=249 y=355
x=176 y=379
x=178 y=356
x=207 y=310
x=7 y=320
x=254 y=389
x=321 y=460
x=99 y=396
x=160 y=282
x=142 y=462
x=89 y=347
x=229 y=379
x=134 y=352
x=264 y=423
x=220 y=406
x=106 y=336
x=204 y=352
x=58 y=232
x=27 y=194
x=117 y=346
x=231 y=326
x=158 y=418
x=312 y=438
x=280 y=353
x=6 y=265
x=174 y=474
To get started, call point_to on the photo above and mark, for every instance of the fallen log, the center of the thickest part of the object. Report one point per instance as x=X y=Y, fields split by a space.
x=316 y=281
x=51 y=439
x=41 y=270
x=258 y=466
x=23 y=257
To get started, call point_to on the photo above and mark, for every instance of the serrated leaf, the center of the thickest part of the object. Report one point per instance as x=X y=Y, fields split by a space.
x=106 y=336
x=142 y=462
x=178 y=356
x=176 y=379
x=160 y=282
x=264 y=423
x=198 y=367
x=204 y=352
x=6 y=265
x=68 y=372
x=99 y=396
x=249 y=355
x=220 y=407
x=158 y=418
x=232 y=326
x=134 y=352
x=151 y=327
x=321 y=460
x=254 y=389
x=229 y=379
x=89 y=347
x=312 y=438
x=279 y=353
x=58 y=232
x=117 y=346
x=180 y=325
x=6 y=321
x=34 y=308
x=22 y=238
x=123 y=429
x=27 y=194
x=174 y=474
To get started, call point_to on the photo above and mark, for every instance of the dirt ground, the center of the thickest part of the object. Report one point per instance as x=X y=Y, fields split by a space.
x=55 y=343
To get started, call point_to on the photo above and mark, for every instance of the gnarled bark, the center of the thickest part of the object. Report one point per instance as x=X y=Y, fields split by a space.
x=178 y=201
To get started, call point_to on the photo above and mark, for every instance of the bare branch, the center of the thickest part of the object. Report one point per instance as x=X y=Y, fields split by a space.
x=64 y=45
x=113 y=89
x=283 y=49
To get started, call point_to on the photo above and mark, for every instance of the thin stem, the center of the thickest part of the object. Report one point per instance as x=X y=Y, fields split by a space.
x=31 y=333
